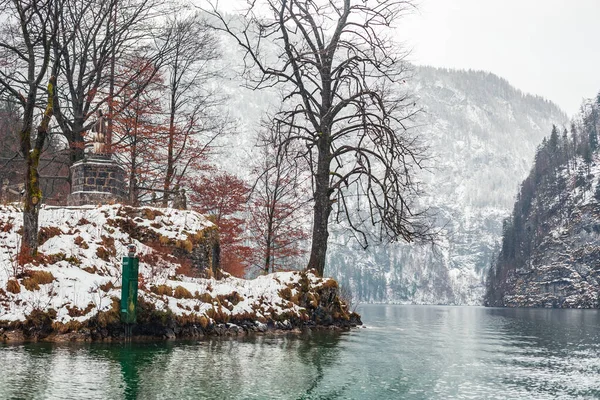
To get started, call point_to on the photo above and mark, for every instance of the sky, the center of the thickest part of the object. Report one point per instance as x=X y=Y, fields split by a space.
x=549 y=48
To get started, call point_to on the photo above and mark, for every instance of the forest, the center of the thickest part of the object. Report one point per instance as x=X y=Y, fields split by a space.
x=559 y=180
x=339 y=148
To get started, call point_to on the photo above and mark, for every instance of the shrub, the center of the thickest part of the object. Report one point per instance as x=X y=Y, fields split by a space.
x=110 y=317
x=78 y=312
x=48 y=232
x=109 y=244
x=81 y=243
x=330 y=284
x=233 y=297
x=203 y=321
x=205 y=298
x=91 y=270
x=151 y=214
x=6 y=226
x=107 y=286
x=34 y=279
x=162 y=290
x=71 y=326
x=285 y=293
x=182 y=293
x=185 y=245
x=102 y=253
x=13 y=286
x=40 y=320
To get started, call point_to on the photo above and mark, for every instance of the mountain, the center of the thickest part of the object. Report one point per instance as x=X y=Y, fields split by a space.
x=482 y=135
x=549 y=255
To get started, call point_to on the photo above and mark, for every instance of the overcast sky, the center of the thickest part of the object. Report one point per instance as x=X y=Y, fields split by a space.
x=549 y=48
x=545 y=47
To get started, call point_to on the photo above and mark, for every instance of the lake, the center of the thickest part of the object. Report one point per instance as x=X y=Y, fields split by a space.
x=405 y=352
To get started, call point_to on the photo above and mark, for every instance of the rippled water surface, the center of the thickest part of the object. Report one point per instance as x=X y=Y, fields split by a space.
x=405 y=352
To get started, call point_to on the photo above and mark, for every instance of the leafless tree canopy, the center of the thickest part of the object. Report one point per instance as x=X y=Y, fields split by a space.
x=342 y=79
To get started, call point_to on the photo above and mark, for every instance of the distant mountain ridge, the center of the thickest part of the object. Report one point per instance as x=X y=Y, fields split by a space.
x=482 y=135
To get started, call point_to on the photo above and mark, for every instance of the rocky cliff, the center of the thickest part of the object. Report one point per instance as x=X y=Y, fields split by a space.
x=550 y=254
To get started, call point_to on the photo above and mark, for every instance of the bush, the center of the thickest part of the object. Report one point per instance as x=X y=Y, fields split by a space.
x=48 y=232
x=13 y=286
x=162 y=290
x=233 y=297
x=78 y=312
x=34 y=279
x=182 y=293
x=107 y=286
x=205 y=298
x=285 y=293
x=81 y=243
x=102 y=253
x=40 y=321
x=91 y=270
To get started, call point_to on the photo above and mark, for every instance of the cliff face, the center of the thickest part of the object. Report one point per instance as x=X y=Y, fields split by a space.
x=550 y=254
x=482 y=134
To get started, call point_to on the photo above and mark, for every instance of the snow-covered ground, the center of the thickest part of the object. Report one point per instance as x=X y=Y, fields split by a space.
x=83 y=247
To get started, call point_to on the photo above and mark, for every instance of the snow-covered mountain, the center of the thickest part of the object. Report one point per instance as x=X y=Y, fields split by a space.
x=549 y=255
x=482 y=135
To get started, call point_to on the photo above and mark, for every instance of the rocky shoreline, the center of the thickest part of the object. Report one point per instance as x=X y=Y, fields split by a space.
x=72 y=290
x=44 y=330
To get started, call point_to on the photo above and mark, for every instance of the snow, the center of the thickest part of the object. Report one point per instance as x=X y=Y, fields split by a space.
x=80 y=274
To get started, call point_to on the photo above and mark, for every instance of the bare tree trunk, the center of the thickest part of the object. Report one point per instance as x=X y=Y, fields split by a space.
x=170 y=160
x=133 y=192
x=322 y=210
x=269 y=246
x=33 y=192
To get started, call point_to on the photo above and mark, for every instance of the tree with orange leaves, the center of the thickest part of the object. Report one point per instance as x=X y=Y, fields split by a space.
x=224 y=197
x=137 y=129
x=279 y=204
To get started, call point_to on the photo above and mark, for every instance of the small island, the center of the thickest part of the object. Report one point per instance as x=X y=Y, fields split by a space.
x=71 y=290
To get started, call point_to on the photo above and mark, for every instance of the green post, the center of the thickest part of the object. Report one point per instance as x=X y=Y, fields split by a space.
x=129 y=287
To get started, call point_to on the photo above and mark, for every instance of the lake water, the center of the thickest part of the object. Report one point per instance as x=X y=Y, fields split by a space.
x=405 y=352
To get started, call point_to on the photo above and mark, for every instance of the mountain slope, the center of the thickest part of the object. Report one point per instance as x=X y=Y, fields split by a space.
x=550 y=246
x=482 y=134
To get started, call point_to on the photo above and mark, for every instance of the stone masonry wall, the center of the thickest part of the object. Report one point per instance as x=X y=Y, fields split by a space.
x=97 y=181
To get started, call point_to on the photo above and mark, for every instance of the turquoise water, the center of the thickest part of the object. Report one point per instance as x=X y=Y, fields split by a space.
x=405 y=352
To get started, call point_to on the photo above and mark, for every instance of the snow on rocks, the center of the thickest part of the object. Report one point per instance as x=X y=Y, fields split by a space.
x=77 y=277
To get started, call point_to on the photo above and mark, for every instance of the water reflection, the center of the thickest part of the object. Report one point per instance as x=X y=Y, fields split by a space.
x=406 y=352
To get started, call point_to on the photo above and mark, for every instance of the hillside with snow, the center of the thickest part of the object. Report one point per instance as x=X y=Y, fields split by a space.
x=549 y=253
x=75 y=282
x=482 y=134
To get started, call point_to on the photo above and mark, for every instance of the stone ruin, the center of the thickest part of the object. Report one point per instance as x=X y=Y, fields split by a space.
x=97 y=179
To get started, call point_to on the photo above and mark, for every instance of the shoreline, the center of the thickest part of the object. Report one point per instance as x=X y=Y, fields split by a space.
x=16 y=333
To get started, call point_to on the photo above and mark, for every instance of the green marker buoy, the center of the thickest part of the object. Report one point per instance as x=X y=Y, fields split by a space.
x=129 y=286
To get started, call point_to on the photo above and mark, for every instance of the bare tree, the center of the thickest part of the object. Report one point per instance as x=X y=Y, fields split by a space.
x=29 y=28
x=278 y=202
x=94 y=35
x=337 y=68
x=193 y=120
